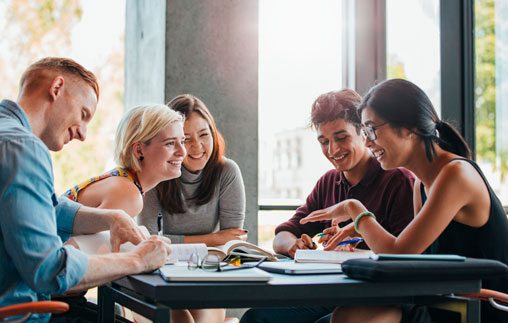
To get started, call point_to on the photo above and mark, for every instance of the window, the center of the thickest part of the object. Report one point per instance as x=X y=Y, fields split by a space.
x=413 y=44
x=299 y=59
x=35 y=29
x=491 y=93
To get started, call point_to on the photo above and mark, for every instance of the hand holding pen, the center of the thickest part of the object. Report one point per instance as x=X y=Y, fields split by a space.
x=304 y=242
x=327 y=234
x=159 y=224
x=334 y=235
x=349 y=242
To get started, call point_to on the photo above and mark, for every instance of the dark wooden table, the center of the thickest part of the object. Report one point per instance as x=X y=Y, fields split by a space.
x=152 y=297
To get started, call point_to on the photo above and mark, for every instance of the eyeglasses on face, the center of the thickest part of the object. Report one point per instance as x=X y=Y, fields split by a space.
x=370 y=131
x=213 y=263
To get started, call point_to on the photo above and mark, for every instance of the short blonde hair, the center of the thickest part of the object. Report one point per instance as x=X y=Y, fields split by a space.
x=141 y=124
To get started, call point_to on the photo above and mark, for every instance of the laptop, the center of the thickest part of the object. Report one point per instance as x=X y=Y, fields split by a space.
x=293 y=268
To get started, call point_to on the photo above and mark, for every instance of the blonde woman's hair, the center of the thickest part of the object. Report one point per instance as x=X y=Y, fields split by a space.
x=141 y=124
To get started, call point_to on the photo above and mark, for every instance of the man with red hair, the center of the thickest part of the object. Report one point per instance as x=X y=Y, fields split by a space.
x=57 y=99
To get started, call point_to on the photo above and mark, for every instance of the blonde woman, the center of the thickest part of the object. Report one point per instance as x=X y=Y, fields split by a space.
x=149 y=149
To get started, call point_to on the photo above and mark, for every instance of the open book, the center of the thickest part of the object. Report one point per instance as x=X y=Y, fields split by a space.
x=324 y=256
x=242 y=248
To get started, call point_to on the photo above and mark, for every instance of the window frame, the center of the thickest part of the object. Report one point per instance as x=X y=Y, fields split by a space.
x=458 y=66
x=364 y=42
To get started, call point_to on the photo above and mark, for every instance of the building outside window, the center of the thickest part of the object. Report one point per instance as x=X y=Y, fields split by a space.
x=299 y=58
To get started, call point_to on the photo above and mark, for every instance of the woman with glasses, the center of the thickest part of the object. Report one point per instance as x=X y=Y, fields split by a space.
x=207 y=203
x=456 y=210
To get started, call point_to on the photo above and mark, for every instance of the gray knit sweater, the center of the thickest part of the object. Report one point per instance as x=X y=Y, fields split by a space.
x=225 y=210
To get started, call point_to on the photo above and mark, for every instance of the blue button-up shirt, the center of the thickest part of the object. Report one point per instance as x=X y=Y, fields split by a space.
x=33 y=223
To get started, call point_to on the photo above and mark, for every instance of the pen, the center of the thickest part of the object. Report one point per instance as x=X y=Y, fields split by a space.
x=349 y=241
x=320 y=235
x=159 y=224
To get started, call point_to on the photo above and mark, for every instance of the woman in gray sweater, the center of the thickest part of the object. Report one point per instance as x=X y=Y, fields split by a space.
x=207 y=203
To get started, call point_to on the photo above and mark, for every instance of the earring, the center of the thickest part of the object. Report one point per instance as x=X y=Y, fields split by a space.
x=141 y=158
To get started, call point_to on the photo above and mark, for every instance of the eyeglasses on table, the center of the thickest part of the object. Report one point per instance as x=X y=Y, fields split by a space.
x=213 y=263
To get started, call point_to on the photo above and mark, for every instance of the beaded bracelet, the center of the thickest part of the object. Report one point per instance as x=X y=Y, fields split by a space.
x=357 y=220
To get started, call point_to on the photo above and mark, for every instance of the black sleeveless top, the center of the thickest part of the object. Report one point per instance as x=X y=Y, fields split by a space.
x=489 y=242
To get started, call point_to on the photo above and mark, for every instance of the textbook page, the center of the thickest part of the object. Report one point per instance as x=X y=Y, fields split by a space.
x=324 y=256
x=242 y=248
x=183 y=251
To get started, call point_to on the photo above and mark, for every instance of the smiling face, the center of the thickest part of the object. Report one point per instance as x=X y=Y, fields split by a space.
x=198 y=142
x=164 y=155
x=70 y=112
x=392 y=147
x=341 y=144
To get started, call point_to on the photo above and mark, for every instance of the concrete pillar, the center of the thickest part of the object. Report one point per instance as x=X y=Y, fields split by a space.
x=145 y=43
x=209 y=48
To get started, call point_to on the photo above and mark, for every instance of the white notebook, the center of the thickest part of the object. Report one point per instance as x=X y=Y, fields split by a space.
x=179 y=272
x=334 y=257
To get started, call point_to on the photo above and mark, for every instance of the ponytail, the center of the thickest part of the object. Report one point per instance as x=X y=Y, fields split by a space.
x=451 y=140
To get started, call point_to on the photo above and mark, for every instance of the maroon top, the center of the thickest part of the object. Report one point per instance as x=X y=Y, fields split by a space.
x=386 y=193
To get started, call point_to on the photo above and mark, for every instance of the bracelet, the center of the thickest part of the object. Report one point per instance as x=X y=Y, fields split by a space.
x=361 y=215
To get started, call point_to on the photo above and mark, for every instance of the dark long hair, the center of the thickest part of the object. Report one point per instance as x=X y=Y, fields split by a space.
x=404 y=105
x=169 y=192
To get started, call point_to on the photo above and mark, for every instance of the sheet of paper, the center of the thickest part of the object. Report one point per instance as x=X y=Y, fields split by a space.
x=182 y=251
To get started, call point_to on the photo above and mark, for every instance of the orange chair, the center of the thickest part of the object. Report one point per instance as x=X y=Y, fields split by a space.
x=29 y=308
x=497 y=299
